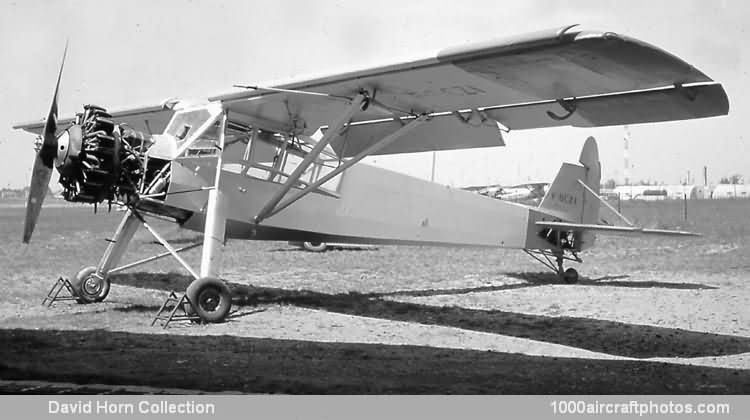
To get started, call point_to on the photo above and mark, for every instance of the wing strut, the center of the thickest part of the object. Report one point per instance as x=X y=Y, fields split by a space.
x=358 y=103
x=609 y=206
x=344 y=166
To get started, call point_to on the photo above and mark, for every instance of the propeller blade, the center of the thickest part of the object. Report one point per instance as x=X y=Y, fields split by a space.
x=49 y=144
x=37 y=190
x=43 y=162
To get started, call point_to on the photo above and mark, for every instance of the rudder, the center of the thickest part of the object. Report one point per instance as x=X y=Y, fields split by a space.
x=567 y=199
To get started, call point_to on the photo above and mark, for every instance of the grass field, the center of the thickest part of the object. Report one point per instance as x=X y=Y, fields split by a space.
x=651 y=315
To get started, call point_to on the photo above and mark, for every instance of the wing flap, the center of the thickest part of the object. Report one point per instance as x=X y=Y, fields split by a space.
x=443 y=133
x=614 y=230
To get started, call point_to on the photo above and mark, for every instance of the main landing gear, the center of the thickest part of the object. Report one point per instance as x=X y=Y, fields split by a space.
x=553 y=259
x=208 y=297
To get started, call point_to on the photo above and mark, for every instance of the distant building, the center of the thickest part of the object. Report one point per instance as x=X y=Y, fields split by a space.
x=693 y=192
x=660 y=192
x=11 y=194
x=640 y=192
x=723 y=191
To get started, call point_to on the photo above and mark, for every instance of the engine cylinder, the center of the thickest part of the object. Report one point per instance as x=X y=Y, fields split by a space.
x=109 y=162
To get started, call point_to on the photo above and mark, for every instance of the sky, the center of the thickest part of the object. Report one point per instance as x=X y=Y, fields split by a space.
x=132 y=53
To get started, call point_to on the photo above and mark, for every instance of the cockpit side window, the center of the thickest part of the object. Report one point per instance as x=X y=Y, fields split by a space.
x=275 y=156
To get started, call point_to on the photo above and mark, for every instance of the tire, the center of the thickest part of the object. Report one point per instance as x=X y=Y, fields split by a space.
x=315 y=246
x=90 y=286
x=210 y=299
x=188 y=308
x=570 y=276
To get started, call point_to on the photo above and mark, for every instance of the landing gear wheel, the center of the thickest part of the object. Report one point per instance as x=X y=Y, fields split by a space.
x=315 y=246
x=91 y=286
x=188 y=308
x=210 y=298
x=570 y=276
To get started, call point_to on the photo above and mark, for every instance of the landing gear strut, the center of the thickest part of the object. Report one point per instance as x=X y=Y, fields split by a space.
x=554 y=259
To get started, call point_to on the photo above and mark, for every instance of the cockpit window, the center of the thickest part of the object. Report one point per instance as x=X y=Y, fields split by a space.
x=275 y=156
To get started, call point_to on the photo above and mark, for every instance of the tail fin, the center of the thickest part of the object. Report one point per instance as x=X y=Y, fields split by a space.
x=566 y=198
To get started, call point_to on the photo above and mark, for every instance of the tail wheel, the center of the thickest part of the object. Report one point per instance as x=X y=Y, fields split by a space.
x=570 y=276
x=315 y=246
x=210 y=299
x=90 y=285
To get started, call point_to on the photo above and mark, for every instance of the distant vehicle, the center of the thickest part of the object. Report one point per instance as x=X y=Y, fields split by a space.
x=245 y=165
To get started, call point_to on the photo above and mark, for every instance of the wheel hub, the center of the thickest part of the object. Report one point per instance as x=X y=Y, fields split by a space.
x=209 y=299
x=92 y=285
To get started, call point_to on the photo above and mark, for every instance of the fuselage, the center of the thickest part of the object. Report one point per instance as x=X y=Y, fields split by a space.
x=371 y=205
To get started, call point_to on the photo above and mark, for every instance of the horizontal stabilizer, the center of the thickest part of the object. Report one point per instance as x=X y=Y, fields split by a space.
x=614 y=230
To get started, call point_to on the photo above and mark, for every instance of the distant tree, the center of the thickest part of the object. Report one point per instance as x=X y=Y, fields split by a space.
x=610 y=184
x=734 y=179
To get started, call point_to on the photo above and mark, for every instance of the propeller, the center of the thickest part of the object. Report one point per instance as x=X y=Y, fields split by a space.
x=43 y=163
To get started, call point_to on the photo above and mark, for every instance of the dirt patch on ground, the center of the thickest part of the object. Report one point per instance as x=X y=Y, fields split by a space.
x=649 y=316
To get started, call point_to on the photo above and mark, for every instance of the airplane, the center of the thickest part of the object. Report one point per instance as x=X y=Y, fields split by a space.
x=283 y=162
x=530 y=191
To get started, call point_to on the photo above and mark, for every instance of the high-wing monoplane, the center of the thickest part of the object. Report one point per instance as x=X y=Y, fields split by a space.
x=282 y=162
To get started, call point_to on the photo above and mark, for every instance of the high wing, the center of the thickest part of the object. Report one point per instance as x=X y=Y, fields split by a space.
x=614 y=230
x=545 y=79
x=148 y=119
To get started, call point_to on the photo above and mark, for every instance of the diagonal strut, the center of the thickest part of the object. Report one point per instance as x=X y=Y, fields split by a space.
x=333 y=131
x=358 y=157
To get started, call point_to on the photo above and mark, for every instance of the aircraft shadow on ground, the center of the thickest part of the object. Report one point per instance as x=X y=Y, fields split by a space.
x=347 y=248
x=609 y=281
x=152 y=309
x=263 y=365
x=611 y=337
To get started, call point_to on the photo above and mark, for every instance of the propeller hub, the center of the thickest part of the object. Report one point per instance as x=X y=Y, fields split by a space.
x=68 y=147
